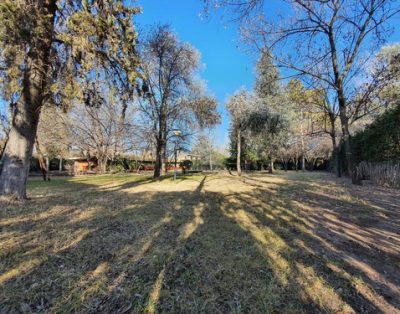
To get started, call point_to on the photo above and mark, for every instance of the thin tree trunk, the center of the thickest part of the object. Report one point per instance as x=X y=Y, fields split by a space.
x=303 y=161
x=18 y=152
x=338 y=162
x=60 y=165
x=211 y=164
x=42 y=162
x=313 y=163
x=239 y=153
x=271 y=163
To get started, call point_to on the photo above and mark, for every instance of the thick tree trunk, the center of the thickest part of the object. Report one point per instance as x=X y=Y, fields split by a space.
x=160 y=164
x=18 y=152
x=102 y=163
x=165 y=163
x=161 y=147
x=335 y=146
x=239 y=152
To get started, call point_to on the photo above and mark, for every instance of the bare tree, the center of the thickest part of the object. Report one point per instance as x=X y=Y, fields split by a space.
x=173 y=98
x=326 y=41
x=104 y=128
x=242 y=9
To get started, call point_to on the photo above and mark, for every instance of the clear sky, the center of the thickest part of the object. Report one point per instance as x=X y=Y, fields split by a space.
x=226 y=66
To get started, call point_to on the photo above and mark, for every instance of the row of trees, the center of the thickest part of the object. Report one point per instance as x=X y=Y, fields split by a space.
x=72 y=53
x=332 y=47
x=172 y=97
x=81 y=71
x=301 y=127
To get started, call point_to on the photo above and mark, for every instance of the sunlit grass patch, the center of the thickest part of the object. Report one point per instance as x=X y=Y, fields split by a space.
x=202 y=244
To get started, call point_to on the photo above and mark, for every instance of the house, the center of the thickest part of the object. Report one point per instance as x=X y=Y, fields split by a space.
x=82 y=165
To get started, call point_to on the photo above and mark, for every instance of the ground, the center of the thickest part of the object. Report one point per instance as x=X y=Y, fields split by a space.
x=283 y=243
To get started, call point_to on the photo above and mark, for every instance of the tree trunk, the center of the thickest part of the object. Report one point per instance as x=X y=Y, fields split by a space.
x=43 y=164
x=60 y=165
x=239 y=153
x=314 y=160
x=351 y=169
x=303 y=160
x=161 y=147
x=102 y=164
x=164 y=164
x=336 y=151
x=271 y=163
x=211 y=165
x=18 y=152
x=159 y=165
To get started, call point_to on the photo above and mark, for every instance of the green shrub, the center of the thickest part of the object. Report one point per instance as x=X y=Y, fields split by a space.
x=380 y=141
x=118 y=168
x=186 y=165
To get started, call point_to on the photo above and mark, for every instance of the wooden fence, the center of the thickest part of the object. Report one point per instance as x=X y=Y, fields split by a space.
x=381 y=173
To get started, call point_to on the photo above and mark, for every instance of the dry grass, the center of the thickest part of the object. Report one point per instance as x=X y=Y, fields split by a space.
x=286 y=243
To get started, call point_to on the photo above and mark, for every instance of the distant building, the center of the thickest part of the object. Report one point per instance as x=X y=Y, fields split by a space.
x=82 y=165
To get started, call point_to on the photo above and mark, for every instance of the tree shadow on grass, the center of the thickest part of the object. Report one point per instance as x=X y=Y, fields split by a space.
x=334 y=231
x=122 y=250
x=68 y=252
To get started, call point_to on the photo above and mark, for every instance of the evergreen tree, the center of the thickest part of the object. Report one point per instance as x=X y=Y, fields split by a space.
x=49 y=52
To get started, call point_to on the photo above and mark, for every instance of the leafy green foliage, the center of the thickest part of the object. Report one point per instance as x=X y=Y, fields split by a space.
x=118 y=168
x=87 y=38
x=380 y=141
x=186 y=164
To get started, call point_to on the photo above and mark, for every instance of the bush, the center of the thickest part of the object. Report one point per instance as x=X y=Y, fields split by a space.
x=118 y=168
x=186 y=165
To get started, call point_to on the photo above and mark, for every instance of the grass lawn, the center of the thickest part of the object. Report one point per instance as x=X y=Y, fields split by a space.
x=284 y=243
